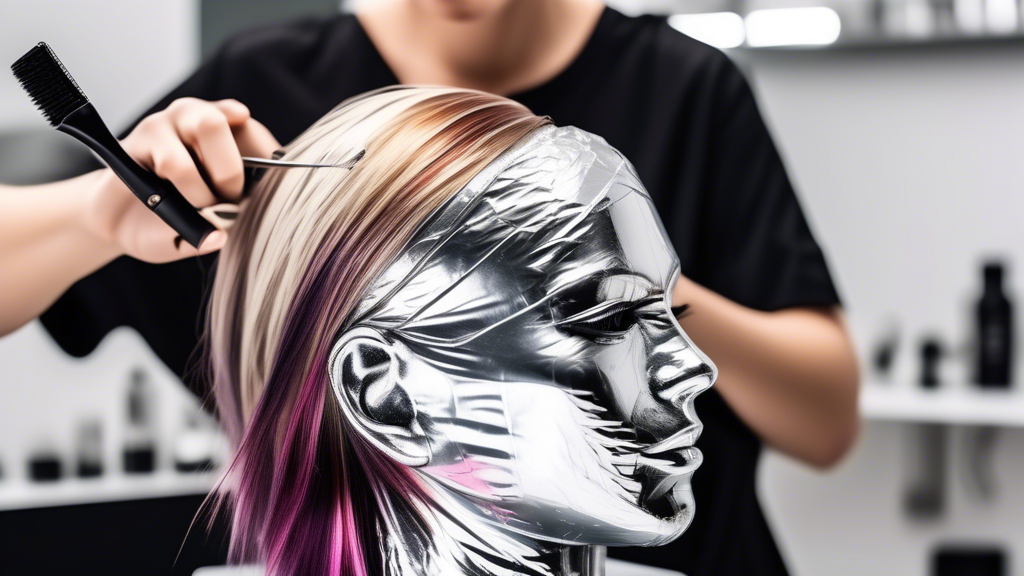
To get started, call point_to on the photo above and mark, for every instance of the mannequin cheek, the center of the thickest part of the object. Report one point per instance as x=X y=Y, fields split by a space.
x=623 y=366
x=474 y=476
x=471 y=448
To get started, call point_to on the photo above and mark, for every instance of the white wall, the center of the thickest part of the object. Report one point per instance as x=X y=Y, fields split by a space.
x=908 y=163
x=124 y=54
x=848 y=522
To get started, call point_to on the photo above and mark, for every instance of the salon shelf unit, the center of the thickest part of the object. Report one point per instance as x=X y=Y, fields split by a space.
x=20 y=494
x=956 y=406
x=880 y=42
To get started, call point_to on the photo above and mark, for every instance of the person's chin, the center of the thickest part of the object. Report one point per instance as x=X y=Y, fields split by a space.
x=657 y=529
x=673 y=503
x=676 y=524
x=642 y=527
x=458 y=10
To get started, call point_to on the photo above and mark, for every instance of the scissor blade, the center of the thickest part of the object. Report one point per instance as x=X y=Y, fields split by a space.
x=273 y=163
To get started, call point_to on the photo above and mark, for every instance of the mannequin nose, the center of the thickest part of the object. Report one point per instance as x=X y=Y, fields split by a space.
x=676 y=372
x=684 y=371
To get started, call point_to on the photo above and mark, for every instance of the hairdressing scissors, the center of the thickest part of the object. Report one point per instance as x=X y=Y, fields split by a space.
x=224 y=215
x=275 y=162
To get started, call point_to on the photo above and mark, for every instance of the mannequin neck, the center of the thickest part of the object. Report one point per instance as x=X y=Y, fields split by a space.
x=452 y=539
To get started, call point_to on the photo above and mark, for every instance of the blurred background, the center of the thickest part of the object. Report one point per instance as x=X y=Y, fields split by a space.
x=898 y=121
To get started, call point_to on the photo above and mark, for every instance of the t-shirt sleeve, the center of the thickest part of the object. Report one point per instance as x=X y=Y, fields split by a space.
x=756 y=246
x=161 y=302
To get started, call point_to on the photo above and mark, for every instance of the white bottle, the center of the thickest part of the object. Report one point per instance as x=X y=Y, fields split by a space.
x=920 y=19
x=195 y=448
x=1001 y=16
x=970 y=16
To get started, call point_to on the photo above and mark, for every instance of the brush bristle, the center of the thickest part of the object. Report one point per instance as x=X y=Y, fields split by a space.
x=48 y=83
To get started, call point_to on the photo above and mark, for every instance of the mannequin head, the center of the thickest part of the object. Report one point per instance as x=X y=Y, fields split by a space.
x=474 y=320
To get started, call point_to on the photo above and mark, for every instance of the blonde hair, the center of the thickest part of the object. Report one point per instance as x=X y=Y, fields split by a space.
x=298 y=259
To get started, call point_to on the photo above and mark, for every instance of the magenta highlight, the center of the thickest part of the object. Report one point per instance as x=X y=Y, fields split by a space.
x=312 y=504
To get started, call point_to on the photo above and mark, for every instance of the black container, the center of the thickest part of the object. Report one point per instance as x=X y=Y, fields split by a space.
x=140 y=438
x=44 y=467
x=969 y=561
x=994 y=331
x=139 y=460
x=931 y=354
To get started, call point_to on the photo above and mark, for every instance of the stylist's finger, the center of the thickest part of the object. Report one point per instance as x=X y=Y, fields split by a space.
x=162 y=244
x=171 y=161
x=215 y=241
x=254 y=139
x=235 y=112
x=206 y=130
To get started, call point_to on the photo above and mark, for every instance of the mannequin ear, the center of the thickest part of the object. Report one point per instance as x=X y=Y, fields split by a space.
x=367 y=379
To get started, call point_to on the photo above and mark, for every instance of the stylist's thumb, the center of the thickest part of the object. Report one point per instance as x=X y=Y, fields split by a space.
x=215 y=241
x=254 y=139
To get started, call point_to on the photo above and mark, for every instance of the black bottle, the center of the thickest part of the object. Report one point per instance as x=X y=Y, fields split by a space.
x=931 y=353
x=140 y=438
x=995 y=331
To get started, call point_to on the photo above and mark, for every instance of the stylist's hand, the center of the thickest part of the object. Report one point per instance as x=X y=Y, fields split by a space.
x=218 y=134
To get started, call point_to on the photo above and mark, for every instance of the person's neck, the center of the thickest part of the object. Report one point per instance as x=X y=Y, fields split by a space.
x=521 y=46
x=454 y=540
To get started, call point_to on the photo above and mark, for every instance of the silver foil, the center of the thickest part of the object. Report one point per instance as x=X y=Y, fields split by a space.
x=522 y=357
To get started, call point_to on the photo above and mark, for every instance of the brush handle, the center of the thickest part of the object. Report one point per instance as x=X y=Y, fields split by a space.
x=157 y=194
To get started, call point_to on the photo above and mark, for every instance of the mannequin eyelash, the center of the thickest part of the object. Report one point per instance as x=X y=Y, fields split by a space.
x=681 y=311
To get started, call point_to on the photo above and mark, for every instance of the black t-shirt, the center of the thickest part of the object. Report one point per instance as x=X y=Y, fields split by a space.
x=679 y=110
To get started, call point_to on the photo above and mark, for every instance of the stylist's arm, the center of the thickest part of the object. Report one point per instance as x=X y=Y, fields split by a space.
x=791 y=375
x=54 y=234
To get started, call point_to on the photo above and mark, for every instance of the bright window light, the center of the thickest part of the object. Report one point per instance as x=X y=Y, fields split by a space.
x=1001 y=16
x=719 y=29
x=792 y=27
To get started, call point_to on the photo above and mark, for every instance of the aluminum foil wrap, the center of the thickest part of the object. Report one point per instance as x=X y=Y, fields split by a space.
x=540 y=383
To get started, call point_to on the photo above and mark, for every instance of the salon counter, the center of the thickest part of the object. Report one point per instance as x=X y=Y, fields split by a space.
x=612 y=568
x=140 y=536
x=111 y=538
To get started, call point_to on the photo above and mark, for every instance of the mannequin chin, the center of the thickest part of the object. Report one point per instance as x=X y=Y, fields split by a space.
x=521 y=356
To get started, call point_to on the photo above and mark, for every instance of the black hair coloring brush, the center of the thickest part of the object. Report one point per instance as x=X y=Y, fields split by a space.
x=64 y=104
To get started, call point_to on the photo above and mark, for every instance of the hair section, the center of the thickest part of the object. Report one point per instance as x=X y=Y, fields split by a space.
x=305 y=494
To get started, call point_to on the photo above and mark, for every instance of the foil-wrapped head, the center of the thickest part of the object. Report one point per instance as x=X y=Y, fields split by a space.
x=522 y=356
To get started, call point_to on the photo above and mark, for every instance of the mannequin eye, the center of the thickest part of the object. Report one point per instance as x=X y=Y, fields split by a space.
x=606 y=320
x=607 y=325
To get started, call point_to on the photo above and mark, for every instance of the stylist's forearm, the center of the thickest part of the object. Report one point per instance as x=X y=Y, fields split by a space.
x=44 y=246
x=790 y=375
x=55 y=234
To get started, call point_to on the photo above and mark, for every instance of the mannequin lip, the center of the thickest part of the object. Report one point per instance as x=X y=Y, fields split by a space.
x=685 y=438
x=674 y=468
x=674 y=464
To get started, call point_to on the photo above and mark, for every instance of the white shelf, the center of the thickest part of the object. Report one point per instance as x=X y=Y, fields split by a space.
x=16 y=495
x=972 y=406
x=879 y=42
